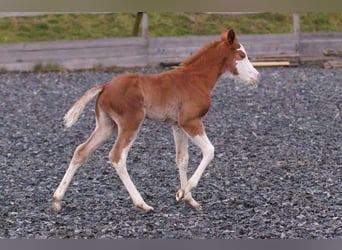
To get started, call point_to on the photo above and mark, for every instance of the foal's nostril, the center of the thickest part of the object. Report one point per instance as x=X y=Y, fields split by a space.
x=255 y=77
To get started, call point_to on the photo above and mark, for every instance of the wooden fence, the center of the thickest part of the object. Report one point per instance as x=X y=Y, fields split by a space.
x=145 y=51
x=142 y=51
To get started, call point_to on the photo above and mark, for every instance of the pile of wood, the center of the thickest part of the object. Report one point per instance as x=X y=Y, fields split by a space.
x=275 y=60
x=330 y=59
x=334 y=59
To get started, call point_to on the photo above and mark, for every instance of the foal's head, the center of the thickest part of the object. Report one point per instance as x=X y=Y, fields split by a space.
x=237 y=61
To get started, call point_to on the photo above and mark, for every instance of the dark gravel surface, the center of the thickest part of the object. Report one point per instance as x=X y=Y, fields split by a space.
x=276 y=172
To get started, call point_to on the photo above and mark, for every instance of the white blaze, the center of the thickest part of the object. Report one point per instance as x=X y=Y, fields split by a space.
x=247 y=72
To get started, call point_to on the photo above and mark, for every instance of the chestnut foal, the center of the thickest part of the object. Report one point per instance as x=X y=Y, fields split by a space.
x=180 y=96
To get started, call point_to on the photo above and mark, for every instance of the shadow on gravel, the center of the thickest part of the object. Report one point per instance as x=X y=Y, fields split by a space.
x=276 y=173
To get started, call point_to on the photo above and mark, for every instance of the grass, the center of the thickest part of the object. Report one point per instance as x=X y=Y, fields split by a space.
x=90 y=26
x=47 y=68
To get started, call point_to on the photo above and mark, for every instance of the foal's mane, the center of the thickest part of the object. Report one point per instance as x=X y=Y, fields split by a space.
x=199 y=53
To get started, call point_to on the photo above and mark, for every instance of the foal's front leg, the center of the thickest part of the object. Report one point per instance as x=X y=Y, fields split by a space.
x=182 y=160
x=196 y=131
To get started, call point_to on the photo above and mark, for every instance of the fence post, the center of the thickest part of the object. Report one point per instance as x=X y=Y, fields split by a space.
x=296 y=31
x=135 y=30
x=144 y=25
x=296 y=23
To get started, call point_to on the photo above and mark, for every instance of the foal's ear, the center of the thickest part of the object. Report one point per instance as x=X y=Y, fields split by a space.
x=228 y=36
x=231 y=37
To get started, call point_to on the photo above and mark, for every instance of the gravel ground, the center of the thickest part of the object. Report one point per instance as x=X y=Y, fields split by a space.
x=276 y=173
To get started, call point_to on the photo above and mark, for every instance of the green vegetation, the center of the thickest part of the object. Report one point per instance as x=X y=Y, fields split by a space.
x=89 y=26
x=47 y=68
x=315 y=22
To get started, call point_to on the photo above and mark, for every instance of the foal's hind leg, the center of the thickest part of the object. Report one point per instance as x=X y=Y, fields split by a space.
x=128 y=128
x=182 y=159
x=105 y=128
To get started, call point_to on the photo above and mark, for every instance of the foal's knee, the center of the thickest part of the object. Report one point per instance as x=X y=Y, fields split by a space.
x=209 y=152
x=119 y=168
x=182 y=161
x=117 y=162
x=114 y=155
x=80 y=155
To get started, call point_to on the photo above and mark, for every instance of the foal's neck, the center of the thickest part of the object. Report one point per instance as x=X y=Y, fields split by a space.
x=208 y=64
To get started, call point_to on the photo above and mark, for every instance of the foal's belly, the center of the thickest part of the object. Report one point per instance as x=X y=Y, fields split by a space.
x=169 y=114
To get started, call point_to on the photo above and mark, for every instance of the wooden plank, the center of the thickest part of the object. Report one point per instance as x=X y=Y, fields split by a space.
x=320 y=36
x=316 y=47
x=175 y=49
x=313 y=44
x=56 y=45
x=270 y=64
x=278 y=57
x=270 y=44
x=333 y=64
x=64 y=54
x=293 y=59
x=184 y=41
x=79 y=63
x=158 y=55
x=17 y=66
x=270 y=38
x=337 y=53
x=128 y=61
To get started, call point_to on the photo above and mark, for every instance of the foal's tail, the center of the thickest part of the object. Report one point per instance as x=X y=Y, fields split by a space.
x=71 y=117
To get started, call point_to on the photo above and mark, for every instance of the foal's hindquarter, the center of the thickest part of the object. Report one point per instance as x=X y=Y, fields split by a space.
x=180 y=96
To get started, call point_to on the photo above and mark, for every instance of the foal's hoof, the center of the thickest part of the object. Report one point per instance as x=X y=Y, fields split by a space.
x=187 y=199
x=145 y=207
x=192 y=202
x=180 y=195
x=56 y=206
